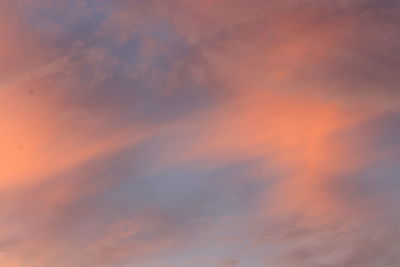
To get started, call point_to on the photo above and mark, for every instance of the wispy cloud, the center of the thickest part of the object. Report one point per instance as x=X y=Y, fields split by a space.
x=199 y=133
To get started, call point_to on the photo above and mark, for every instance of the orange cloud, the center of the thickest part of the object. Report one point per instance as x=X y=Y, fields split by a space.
x=39 y=139
x=276 y=92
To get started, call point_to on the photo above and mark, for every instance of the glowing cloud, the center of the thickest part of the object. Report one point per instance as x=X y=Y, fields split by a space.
x=199 y=133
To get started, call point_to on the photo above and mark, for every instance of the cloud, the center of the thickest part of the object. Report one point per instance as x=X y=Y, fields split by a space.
x=135 y=129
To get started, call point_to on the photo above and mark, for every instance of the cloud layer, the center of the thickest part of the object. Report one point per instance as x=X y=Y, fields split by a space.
x=199 y=133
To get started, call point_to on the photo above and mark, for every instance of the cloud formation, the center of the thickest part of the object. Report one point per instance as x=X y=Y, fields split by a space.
x=199 y=133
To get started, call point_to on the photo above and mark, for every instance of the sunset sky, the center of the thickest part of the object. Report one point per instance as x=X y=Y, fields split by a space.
x=197 y=133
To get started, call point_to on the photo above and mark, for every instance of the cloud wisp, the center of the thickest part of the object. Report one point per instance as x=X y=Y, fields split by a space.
x=199 y=133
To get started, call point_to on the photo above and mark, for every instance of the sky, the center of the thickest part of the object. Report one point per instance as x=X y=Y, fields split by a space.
x=183 y=133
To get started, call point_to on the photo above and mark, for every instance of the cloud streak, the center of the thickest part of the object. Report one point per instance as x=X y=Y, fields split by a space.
x=199 y=133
